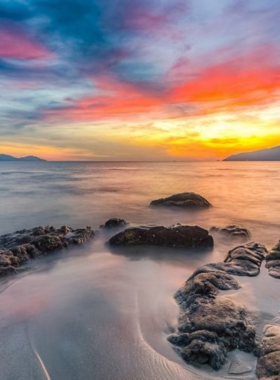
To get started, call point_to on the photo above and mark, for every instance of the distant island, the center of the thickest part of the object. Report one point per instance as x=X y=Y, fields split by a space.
x=6 y=157
x=272 y=154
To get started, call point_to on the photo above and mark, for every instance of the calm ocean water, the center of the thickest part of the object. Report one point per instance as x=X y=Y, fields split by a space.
x=96 y=315
x=88 y=193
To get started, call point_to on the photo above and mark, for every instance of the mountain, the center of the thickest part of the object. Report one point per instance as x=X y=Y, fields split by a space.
x=272 y=154
x=6 y=157
x=31 y=158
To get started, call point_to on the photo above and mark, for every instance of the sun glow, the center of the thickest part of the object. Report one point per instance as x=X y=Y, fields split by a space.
x=156 y=85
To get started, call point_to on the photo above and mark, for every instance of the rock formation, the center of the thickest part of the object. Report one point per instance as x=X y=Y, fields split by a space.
x=183 y=200
x=273 y=261
x=178 y=236
x=269 y=356
x=21 y=246
x=232 y=231
x=210 y=324
x=114 y=223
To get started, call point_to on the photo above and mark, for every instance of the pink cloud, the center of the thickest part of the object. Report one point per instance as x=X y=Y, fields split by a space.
x=17 y=44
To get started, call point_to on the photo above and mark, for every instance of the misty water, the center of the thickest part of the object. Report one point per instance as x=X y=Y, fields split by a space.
x=98 y=314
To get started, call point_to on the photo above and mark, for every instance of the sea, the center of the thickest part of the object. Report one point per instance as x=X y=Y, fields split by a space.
x=96 y=314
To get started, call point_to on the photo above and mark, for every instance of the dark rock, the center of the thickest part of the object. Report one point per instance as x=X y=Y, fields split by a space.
x=204 y=350
x=210 y=325
x=47 y=243
x=65 y=230
x=183 y=200
x=233 y=231
x=24 y=236
x=26 y=252
x=21 y=246
x=238 y=268
x=204 y=286
x=79 y=236
x=269 y=356
x=7 y=270
x=244 y=260
x=178 y=236
x=273 y=261
x=114 y=223
x=8 y=259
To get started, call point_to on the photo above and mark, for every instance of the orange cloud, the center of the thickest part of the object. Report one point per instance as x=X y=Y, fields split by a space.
x=250 y=80
x=119 y=100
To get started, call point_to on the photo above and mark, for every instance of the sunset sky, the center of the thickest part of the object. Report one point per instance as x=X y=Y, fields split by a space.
x=139 y=80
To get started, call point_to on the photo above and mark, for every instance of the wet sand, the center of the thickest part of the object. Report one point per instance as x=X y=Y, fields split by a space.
x=94 y=314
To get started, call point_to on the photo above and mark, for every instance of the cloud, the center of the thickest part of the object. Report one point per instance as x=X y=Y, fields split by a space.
x=16 y=44
x=105 y=64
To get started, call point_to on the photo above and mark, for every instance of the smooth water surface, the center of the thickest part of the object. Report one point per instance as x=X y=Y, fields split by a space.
x=94 y=314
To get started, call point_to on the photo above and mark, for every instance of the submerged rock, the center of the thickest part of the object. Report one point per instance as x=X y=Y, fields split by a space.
x=233 y=231
x=177 y=236
x=273 y=261
x=269 y=356
x=183 y=200
x=209 y=326
x=21 y=246
x=114 y=223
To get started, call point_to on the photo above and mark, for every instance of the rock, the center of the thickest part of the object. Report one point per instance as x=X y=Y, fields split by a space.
x=232 y=231
x=210 y=324
x=177 y=236
x=268 y=367
x=8 y=259
x=244 y=260
x=47 y=243
x=21 y=246
x=273 y=261
x=26 y=252
x=203 y=350
x=65 y=230
x=79 y=236
x=204 y=285
x=238 y=367
x=114 y=223
x=7 y=270
x=183 y=200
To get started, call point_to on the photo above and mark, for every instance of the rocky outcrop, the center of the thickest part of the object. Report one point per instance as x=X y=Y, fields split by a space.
x=211 y=325
x=178 y=236
x=114 y=223
x=183 y=200
x=273 y=261
x=232 y=231
x=21 y=246
x=269 y=356
x=244 y=260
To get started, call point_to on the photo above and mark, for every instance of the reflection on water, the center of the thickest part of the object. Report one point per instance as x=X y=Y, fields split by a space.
x=88 y=193
x=97 y=314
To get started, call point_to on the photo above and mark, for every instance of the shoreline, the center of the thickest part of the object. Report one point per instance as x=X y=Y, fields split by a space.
x=43 y=240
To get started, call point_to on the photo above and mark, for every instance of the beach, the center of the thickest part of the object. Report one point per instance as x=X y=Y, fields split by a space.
x=98 y=313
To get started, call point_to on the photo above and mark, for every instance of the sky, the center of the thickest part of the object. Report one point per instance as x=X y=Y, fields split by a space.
x=139 y=80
